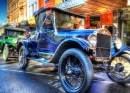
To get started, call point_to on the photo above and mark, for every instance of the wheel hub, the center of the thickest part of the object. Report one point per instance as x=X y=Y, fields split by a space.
x=74 y=71
x=119 y=67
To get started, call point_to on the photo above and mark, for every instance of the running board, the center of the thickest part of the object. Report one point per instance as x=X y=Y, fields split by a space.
x=42 y=60
x=44 y=65
x=46 y=53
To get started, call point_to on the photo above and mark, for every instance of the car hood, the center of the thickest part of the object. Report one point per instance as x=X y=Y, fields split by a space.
x=85 y=33
x=14 y=39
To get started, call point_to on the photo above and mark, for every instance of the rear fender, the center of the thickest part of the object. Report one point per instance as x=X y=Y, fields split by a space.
x=25 y=45
x=7 y=44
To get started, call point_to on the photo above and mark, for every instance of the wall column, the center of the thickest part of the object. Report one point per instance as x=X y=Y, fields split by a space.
x=117 y=24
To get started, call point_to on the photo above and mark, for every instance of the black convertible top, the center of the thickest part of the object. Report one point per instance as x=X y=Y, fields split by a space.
x=58 y=10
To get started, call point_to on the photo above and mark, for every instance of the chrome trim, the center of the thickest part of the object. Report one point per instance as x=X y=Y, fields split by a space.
x=92 y=46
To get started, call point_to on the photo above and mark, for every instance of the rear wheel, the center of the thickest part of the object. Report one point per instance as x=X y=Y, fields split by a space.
x=23 y=62
x=120 y=69
x=5 y=53
x=75 y=71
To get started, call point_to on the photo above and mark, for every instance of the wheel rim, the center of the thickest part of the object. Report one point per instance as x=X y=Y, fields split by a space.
x=72 y=72
x=120 y=68
x=21 y=58
x=5 y=53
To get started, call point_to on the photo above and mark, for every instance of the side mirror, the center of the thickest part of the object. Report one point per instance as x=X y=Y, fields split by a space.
x=27 y=34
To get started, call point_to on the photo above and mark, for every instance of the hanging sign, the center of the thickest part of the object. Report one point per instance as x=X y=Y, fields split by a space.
x=47 y=3
x=70 y=3
x=58 y=1
x=106 y=19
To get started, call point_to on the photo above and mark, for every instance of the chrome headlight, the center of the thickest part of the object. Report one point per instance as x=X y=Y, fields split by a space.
x=92 y=40
x=118 y=44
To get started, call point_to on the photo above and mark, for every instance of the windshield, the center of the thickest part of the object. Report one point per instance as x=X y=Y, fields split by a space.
x=45 y=20
x=65 y=21
x=15 y=33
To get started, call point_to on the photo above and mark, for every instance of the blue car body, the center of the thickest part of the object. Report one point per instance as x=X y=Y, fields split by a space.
x=76 y=52
x=52 y=46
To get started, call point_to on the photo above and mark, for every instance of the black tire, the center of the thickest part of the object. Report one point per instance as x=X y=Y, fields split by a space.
x=119 y=71
x=76 y=65
x=23 y=62
x=5 y=53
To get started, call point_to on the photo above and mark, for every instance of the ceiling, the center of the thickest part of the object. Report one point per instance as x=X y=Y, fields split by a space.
x=94 y=7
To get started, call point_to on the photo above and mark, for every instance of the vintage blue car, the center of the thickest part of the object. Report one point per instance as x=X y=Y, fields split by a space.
x=61 y=40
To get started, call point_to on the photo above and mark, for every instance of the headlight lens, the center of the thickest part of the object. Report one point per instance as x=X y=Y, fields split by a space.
x=93 y=40
x=118 y=44
x=14 y=41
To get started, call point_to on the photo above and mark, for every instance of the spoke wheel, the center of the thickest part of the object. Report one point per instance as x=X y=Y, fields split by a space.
x=5 y=53
x=23 y=62
x=120 y=69
x=75 y=71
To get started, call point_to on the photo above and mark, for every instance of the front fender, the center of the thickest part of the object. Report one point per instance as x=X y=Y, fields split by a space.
x=7 y=43
x=70 y=43
x=25 y=45
x=81 y=42
x=124 y=49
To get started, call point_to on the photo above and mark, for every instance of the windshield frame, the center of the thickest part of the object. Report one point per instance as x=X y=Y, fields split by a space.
x=55 y=9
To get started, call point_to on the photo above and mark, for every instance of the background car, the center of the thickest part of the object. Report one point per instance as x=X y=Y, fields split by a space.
x=9 y=40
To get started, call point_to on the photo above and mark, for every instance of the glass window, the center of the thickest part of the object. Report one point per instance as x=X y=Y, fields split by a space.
x=35 y=6
x=64 y=21
x=32 y=9
x=49 y=20
x=64 y=0
x=12 y=33
x=30 y=13
x=45 y=20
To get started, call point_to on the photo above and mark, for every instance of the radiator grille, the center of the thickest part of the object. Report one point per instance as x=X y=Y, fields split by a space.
x=103 y=45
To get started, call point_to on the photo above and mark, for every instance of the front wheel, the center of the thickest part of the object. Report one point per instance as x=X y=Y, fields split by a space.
x=5 y=53
x=23 y=62
x=75 y=71
x=120 y=69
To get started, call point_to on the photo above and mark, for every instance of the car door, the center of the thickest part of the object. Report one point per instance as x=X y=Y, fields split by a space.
x=44 y=42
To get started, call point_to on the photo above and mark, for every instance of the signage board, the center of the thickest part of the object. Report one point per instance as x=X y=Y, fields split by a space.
x=70 y=3
x=58 y=1
x=31 y=20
